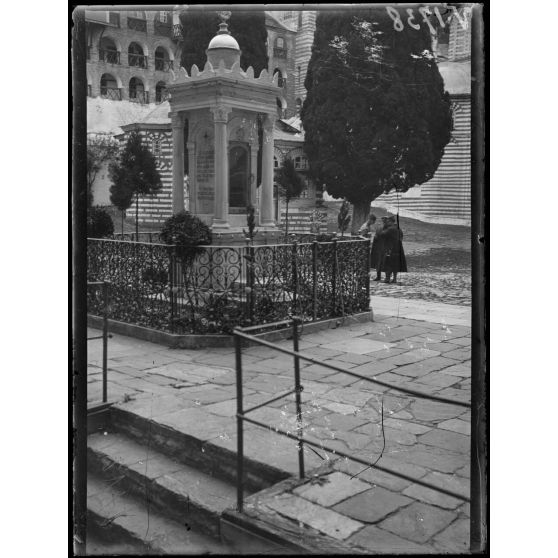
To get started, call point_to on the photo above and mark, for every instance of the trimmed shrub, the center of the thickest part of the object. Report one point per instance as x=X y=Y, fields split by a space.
x=186 y=231
x=99 y=223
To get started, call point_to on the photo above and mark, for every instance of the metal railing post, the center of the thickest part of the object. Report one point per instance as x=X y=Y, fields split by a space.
x=105 y=338
x=368 y=264
x=334 y=278
x=298 y=390
x=172 y=272
x=295 y=274
x=315 y=280
x=239 y=427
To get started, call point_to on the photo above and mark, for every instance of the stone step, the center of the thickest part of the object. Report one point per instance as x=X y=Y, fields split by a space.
x=185 y=444
x=117 y=516
x=180 y=492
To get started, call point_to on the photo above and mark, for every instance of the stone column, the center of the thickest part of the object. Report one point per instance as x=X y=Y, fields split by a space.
x=191 y=146
x=177 y=123
x=221 y=211
x=266 y=195
x=254 y=172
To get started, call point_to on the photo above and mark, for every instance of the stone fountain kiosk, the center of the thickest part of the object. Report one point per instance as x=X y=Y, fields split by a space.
x=222 y=105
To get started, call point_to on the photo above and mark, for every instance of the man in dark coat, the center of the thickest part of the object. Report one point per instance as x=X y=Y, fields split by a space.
x=393 y=260
x=367 y=229
x=377 y=252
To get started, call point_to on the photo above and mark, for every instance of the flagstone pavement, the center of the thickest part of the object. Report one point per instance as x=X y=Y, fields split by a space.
x=416 y=344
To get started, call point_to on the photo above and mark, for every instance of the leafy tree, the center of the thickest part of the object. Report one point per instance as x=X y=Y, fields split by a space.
x=376 y=116
x=135 y=174
x=101 y=149
x=290 y=184
x=121 y=198
x=343 y=218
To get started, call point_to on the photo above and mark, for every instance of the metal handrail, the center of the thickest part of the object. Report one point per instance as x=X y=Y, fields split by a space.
x=105 y=335
x=240 y=333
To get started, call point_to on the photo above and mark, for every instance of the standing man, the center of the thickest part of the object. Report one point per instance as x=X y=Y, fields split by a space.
x=378 y=248
x=393 y=260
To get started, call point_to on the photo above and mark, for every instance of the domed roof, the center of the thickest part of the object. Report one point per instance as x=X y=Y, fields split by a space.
x=223 y=39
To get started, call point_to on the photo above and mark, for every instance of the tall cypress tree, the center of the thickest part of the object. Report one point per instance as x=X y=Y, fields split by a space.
x=376 y=117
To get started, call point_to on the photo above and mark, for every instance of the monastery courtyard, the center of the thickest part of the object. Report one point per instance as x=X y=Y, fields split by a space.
x=415 y=344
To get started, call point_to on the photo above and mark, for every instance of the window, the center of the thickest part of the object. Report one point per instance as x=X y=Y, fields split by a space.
x=301 y=163
x=161 y=92
x=109 y=88
x=136 y=57
x=138 y=15
x=163 y=17
x=275 y=162
x=238 y=177
x=162 y=61
x=108 y=51
x=136 y=91
x=280 y=80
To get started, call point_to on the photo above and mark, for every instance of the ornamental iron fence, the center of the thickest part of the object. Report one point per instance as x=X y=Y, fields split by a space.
x=137 y=60
x=212 y=289
x=144 y=236
x=164 y=29
x=111 y=93
x=137 y=24
x=177 y=32
x=109 y=56
x=163 y=65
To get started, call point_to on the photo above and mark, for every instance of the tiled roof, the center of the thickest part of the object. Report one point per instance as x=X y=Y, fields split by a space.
x=159 y=115
x=283 y=135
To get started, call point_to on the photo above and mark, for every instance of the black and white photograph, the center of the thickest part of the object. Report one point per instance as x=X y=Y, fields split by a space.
x=278 y=313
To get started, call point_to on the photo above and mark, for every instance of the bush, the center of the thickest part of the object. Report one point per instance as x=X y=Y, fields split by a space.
x=186 y=231
x=99 y=223
x=325 y=237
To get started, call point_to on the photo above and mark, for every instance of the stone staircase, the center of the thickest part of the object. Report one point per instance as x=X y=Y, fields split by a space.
x=163 y=491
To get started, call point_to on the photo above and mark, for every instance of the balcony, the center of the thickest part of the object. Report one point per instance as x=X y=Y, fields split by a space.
x=177 y=32
x=111 y=93
x=114 y=19
x=137 y=24
x=141 y=97
x=137 y=60
x=163 y=65
x=164 y=29
x=109 y=56
x=279 y=52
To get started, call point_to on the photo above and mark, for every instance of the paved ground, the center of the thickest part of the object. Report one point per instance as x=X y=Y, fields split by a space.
x=421 y=345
